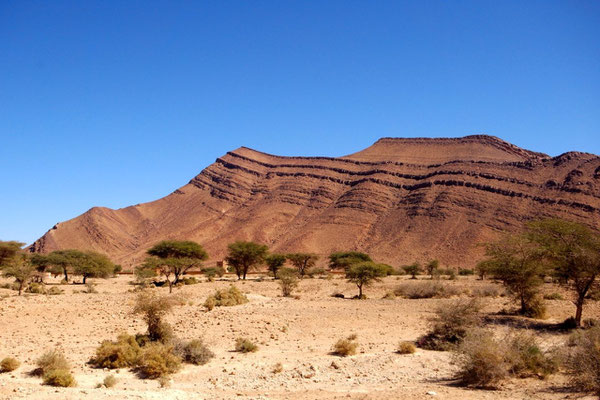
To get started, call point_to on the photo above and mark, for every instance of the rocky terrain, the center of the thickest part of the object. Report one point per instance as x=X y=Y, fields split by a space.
x=399 y=200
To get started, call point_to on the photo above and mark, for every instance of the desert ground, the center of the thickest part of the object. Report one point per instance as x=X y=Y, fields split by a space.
x=297 y=332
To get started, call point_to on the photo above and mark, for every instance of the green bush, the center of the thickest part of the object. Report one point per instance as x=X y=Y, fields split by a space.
x=225 y=298
x=244 y=345
x=193 y=352
x=156 y=360
x=59 y=377
x=120 y=354
x=9 y=364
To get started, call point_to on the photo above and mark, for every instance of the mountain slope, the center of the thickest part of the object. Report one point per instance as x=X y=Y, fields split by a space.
x=400 y=200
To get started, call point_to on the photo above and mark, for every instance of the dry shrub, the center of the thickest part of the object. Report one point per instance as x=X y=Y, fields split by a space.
x=110 y=381
x=389 y=296
x=153 y=308
x=426 y=290
x=36 y=288
x=157 y=360
x=193 y=352
x=583 y=360
x=535 y=308
x=406 y=348
x=486 y=361
x=59 y=377
x=225 y=298
x=51 y=360
x=486 y=291
x=277 y=368
x=9 y=364
x=451 y=324
x=288 y=281
x=346 y=347
x=53 y=291
x=120 y=354
x=553 y=296
x=244 y=345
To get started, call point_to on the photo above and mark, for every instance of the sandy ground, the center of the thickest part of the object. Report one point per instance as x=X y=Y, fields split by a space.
x=299 y=333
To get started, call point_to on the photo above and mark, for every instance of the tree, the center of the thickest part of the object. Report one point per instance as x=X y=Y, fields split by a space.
x=244 y=256
x=174 y=258
x=288 y=280
x=20 y=268
x=274 y=262
x=302 y=261
x=8 y=250
x=364 y=274
x=343 y=259
x=516 y=261
x=94 y=265
x=153 y=308
x=573 y=252
x=412 y=269
x=483 y=268
x=432 y=266
x=65 y=261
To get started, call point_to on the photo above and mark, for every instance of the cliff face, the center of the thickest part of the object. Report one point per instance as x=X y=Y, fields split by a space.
x=399 y=200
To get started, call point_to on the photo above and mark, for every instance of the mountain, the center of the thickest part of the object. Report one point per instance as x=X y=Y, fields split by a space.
x=399 y=200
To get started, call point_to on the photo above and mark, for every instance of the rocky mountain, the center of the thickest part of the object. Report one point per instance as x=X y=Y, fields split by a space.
x=399 y=200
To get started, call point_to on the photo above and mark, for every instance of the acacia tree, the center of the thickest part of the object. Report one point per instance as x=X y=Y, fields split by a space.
x=344 y=259
x=8 y=250
x=174 y=258
x=412 y=269
x=20 y=268
x=516 y=261
x=65 y=261
x=364 y=274
x=244 y=256
x=573 y=252
x=432 y=266
x=94 y=265
x=302 y=261
x=274 y=263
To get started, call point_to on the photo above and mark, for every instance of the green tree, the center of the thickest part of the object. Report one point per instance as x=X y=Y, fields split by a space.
x=302 y=261
x=8 y=250
x=573 y=252
x=274 y=263
x=364 y=274
x=93 y=265
x=343 y=259
x=431 y=267
x=20 y=268
x=175 y=258
x=65 y=261
x=516 y=261
x=244 y=256
x=412 y=269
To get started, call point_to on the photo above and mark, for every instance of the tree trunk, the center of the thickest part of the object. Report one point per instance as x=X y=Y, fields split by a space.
x=170 y=286
x=66 y=274
x=20 y=288
x=359 y=292
x=84 y=278
x=579 y=310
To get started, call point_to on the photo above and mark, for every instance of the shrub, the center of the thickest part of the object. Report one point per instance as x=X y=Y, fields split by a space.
x=53 y=291
x=481 y=360
x=346 y=347
x=120 y=354
x=189 y=280
x=583 y=360
x=465 y=272
x=90 y=288
x=451 y=324
x=153 y=308
x=425 y=290
x=51 y=360
x=110 y=381
x=485 y=291
x=59 y=377
x=225 y=298
x=413 y=270
x=9 y=364
x=389 y=296
x=277 y=368
x=35 y=287
x=288 y=280
x=212 y=272
x=193 y=352
x=244 y=345
x=526 y=358
x=553 y=296
x=156 y=360
x=406 y=348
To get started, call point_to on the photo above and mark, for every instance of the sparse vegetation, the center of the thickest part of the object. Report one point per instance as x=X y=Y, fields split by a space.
x=451 y=325
x=346 y=347
x=583 y=360
x=426 y=290
x=225 y=298
x=431 y=267
x=244 y=345
x=288 y=281
x=406 y=348
x=9 y=364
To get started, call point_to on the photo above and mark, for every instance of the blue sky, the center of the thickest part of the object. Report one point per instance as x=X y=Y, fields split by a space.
x=113 y=103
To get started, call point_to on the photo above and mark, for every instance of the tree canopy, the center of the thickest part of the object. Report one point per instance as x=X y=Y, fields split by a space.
x=244 y=256
x=302 y=261
x=363 y=274
x=275 y=262
x=343 y=259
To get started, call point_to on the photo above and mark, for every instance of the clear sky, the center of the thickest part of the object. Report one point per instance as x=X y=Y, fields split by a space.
x=113 y=103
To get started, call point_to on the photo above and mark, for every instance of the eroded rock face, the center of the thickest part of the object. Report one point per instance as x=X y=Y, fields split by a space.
x=400 y=200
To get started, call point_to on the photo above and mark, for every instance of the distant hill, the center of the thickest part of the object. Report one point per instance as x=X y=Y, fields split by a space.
x=399 y=200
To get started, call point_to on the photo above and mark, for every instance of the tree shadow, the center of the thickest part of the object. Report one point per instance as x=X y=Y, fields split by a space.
x=520 y=322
